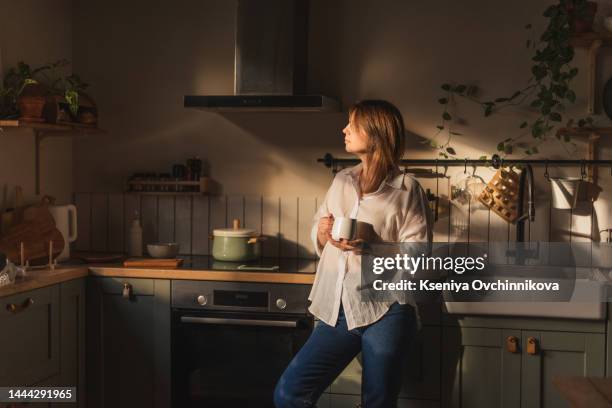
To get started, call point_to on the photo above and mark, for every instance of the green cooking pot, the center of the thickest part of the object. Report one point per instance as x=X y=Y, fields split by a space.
x=236 y=244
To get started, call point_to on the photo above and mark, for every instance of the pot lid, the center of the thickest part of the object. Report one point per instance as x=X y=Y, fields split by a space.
x=235 y=231
x=231 y=232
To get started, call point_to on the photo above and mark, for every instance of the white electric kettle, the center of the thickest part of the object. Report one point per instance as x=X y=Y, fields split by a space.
x=66 y=221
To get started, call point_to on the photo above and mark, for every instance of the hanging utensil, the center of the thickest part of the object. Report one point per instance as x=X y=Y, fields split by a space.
x=465 y=191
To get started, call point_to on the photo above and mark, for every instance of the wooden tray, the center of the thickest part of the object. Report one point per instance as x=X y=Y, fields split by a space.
x=153 y=262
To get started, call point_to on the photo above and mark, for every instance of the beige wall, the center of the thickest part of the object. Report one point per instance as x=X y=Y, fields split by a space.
x=143 y=58
x=37 y=32
x=143 y=62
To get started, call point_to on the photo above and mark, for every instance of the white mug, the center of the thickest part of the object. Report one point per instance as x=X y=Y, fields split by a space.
x=344 y=228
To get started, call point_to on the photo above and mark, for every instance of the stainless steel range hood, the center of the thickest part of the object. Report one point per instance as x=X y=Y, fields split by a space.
x=270 y=60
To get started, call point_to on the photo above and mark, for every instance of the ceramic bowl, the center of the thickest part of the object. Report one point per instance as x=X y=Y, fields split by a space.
x=163 y=250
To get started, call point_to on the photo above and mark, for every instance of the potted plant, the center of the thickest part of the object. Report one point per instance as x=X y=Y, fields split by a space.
x=46 y=93
x=68 y=101
x=8 y=108
x=547 y=92
x=82 y=106
x=581 y=15
x=23 y=93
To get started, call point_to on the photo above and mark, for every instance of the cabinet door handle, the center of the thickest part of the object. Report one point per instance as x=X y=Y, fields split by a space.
x=127 y=290
x=512 y=344
x=532 y=346
x=13 y=308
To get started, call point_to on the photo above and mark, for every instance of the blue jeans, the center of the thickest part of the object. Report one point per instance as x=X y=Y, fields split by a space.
x=328 y=350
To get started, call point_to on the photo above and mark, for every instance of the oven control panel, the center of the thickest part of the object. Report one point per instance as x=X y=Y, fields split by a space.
x=240 y=296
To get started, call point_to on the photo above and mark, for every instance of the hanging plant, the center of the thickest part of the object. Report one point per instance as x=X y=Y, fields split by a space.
x=547 y=91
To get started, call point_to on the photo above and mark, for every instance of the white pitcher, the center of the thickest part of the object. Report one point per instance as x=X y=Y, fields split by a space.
x=66 y=221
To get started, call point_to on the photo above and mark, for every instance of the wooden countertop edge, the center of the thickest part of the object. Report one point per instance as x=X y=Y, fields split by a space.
x=42 y=278
x=46 y=277
x=212 y=275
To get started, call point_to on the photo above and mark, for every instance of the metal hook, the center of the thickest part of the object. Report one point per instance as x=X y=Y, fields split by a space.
x=582 y=170
x=465 y=166
x=335 y=167
x=546 y=176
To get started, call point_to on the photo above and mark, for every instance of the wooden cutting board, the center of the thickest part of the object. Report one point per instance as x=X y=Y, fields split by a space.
x=35 y=229
x=98 y=257
x=153 y=262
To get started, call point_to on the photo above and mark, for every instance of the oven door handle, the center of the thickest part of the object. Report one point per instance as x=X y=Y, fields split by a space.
x=239 y=322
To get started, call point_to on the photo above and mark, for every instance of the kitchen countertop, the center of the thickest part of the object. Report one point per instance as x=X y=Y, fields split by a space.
x=35 y=279
x=291 y=270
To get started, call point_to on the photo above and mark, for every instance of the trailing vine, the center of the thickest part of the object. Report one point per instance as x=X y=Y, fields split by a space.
x=547 y=91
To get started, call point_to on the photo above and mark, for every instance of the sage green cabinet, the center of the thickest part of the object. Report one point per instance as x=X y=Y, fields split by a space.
x=43 y=334
x=485 y=367
x=421 y=375
x=30 y=327
x=553 y=354
x=478 y=370
x=72 y=341
x=609 y=336
x=73 y=323
x=128 y=342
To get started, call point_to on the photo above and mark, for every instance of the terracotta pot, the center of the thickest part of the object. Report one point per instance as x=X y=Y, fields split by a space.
x=88 y=112
x=31 y=103
x=57 y=110
x=581 y=24
x=87 y=118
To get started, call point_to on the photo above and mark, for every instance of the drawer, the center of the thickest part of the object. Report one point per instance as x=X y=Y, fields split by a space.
x=30 y=347
x=114 y=286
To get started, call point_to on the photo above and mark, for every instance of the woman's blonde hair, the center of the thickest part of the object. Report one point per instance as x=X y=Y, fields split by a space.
x=382 y=122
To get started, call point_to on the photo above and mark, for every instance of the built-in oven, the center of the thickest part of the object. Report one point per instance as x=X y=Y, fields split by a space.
x=232 y=341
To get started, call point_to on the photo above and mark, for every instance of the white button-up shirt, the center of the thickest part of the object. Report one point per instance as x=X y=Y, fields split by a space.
x=398 y=211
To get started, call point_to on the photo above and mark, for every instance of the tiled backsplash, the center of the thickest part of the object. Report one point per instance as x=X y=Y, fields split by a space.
x=104 y=220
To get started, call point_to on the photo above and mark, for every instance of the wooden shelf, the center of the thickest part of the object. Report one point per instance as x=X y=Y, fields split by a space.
x=585 y=40
x=42 y=130
x=592 y=42
x=593 y=135
x=164 y=183
x=168 y=193
x=585 y=131
x=205 y=186
x=49 y=127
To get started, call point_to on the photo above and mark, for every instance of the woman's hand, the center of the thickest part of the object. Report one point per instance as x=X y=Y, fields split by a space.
x=324 y=229
x=355 y=245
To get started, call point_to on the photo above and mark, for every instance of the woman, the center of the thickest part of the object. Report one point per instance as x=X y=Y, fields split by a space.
x=374 y=192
